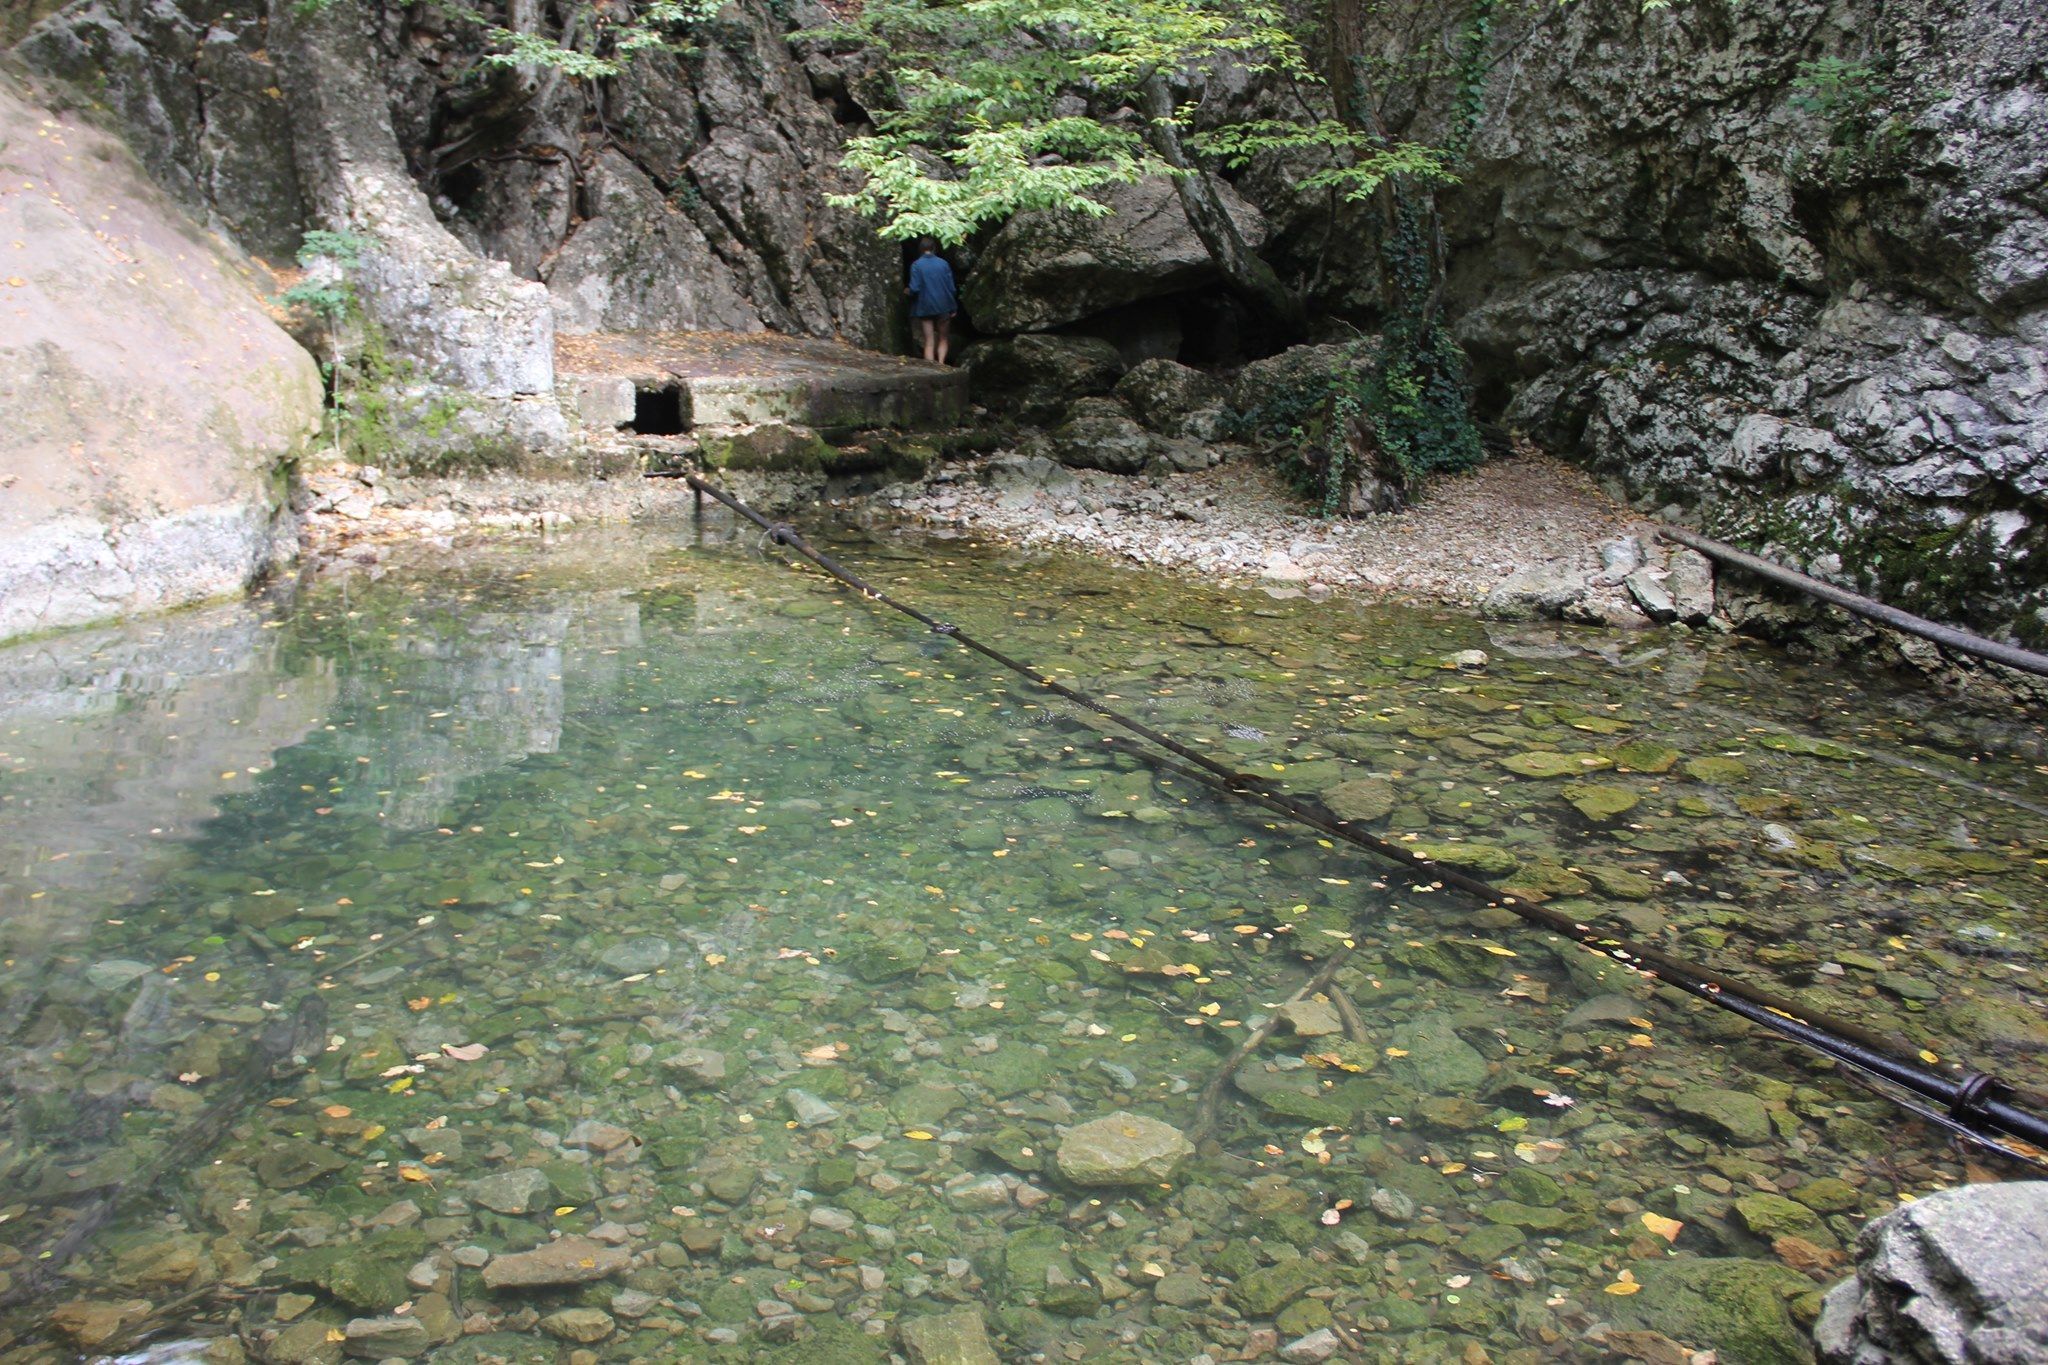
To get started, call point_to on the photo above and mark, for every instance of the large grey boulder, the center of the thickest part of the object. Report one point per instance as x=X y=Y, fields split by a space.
x=1034 y=377
x=1265 y=386
x=1535 y=592
x=1047 y=268
x=151 y=404
x=1175 y=400
x=1100 y=433
x=1956 y=1277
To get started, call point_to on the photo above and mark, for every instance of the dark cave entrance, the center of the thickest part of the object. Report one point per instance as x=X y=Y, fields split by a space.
x=657 y=412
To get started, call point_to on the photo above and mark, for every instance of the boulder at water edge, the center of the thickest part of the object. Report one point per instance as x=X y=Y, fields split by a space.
x=152 y=404
x=1958 y=1276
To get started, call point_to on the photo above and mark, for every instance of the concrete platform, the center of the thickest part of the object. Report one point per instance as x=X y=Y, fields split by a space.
x=669 y=383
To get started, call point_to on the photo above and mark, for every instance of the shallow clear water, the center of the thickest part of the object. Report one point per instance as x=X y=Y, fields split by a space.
x=697 y=908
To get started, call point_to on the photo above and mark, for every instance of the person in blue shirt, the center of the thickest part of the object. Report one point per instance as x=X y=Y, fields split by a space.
x=933 y=300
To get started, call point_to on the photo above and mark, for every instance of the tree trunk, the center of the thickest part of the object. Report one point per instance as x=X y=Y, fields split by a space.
x=1246 y=275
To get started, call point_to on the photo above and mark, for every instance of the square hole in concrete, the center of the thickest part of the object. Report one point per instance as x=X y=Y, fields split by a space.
x=657 y=412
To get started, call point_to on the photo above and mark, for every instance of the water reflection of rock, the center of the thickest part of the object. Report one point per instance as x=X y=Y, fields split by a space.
x=117 y=745
x=481 y=696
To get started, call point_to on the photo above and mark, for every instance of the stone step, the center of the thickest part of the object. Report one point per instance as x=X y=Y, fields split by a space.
x=666 y=383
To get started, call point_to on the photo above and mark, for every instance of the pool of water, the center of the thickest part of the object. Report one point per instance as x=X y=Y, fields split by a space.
x=626 y=948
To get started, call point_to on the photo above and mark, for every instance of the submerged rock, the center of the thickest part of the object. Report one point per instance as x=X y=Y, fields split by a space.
x=1730 y=1112
x=955 y=1338
x=1955 y=1277
x=572 y=1260
x=1741 y=1309
x=510 y=1192
x=1122 y=1149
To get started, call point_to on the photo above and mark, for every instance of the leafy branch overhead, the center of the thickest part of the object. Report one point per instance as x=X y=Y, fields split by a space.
x=1013 y=105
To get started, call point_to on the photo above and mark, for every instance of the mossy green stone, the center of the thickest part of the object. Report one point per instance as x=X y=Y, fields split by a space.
x=1716 y=769
x=1263 y=1293
x=1530 y=1187
x=1732 y=1113
x=1741 y=1309
x=1643 y=756
x=1488 y=1244
x=1773 y=1215
x=1598 y=801
x=1550 y=763
x=1301 y=1317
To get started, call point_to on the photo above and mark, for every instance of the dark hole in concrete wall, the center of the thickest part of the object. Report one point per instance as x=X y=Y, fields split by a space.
x=657 y=412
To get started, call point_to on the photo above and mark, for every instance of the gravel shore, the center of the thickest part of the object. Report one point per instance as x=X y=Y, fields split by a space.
x=1512 y=524
x=1237 y=522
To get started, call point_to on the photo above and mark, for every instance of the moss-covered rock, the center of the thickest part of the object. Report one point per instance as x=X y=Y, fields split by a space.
x=1742 y=1309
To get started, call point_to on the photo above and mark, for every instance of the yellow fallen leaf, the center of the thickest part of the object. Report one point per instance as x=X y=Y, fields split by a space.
x=1641 y=1040
x=1499 y=951
x=413 y=1173
x=714 y=959
x=1667 y=1228
x=918 y=1135
x=1397 y=1052
x=1452 y=1167
x=1212 y=1009
x=402 y=1083
x=564 y=1210
x=1624 y=1287
x=1513 y=1125
x=372 y=1133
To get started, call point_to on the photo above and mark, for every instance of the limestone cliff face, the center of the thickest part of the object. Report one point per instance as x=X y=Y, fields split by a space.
x=1809 y=303
x=148 y=403
x=686 y=193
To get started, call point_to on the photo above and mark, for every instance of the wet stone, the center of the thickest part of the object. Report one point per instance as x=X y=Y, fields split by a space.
x=1316 y=1346
x=379 y=1338
x=1265 y=1292
x=1121 y=1149
x=809 y=1111
x=510 y=1192
x=572 y=1260
x=696 y=1066
x=637 y=955
x=584 y=1325
x=1730 y=1113
x=956 y=1338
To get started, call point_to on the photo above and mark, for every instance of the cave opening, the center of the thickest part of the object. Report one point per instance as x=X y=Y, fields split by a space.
x=657 y=412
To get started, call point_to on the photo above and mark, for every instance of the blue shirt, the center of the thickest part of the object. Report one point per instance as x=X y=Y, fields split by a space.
x=931 y=288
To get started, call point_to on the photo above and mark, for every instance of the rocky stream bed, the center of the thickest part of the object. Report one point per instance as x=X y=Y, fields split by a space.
x=618 y=947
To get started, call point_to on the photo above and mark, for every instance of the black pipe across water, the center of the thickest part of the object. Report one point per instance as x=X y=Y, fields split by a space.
x=1970 y=1097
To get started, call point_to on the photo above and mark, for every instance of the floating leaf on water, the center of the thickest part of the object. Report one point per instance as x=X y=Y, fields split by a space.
x=1667 y=1228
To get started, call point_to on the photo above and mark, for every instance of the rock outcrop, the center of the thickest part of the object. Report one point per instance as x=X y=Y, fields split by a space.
x=1045 y=268
x=1955 y=1277
x=696 y=201
x=153 y=407
x=479 y=341
x=1785 y=267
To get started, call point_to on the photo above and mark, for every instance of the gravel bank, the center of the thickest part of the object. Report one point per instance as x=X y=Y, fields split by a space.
x=1236 y=523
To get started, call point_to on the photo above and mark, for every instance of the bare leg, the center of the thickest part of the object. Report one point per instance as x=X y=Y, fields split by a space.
x=945 y=331
x=927 y=329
